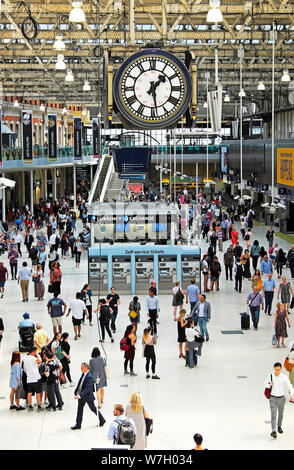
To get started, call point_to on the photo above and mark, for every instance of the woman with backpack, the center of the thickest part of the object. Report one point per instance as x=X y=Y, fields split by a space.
x=254 y=253
x=134 y=312
x=248 y=238
x=178 y=298
x=130 y=341
x=149 y=352
x=104 y=319
x=239 y=273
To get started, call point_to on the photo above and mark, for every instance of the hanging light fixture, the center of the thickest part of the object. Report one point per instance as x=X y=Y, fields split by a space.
x=86 y=86
x=84 y=112
x=64 y=111
x=214 y=14
x=16 y=104
x=59 y=45
x=42 y=107
x=227 y=99
x=286 y=76
x=242 y=93
x=69 y=76
x=205 y=104
x=77 y=14
x=261 y=86
x=60 y=64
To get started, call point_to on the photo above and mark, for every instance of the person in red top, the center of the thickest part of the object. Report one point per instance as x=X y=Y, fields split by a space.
x=234 y=236
x=55 y=277
x=3 y=277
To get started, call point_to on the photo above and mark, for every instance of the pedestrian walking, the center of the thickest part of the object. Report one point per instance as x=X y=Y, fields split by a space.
x=39 y=288
x=113 y=300
x=178 y=298
x=268 y=289
x=256 y=300
x=104 y=319
x=13 y=261
x=52 y=368
x=285 y=289
x=97 y=368
x=280 y=324
x=192 y=294
x=280 y=261
x=201 y=314
x=136 y=411
x=134 y=312
x=279 y=386
x=148 y=342
x=229 y=262
x=84 y=394
x=254 y=253
x=152 y=307
x=3 y=278
x=129 y=355
x=122 y=430
x=15 y=382
x=77 y=307
x=56 y=309
x=290 y=260
x=239 y=274
x=65 y=360
x=24 y=275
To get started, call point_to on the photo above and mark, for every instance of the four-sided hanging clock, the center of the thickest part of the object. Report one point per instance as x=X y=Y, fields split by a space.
x=152 y=89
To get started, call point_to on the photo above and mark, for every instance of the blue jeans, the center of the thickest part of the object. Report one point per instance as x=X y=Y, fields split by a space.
x=255 y=315
x=113 y=318
x=202 y=325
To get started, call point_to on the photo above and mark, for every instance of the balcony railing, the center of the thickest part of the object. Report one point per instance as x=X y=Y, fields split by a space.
x=42 y=152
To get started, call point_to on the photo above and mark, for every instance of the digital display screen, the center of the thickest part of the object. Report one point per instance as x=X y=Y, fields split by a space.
x=159 y=227
x=122 y=228
x=131 y=159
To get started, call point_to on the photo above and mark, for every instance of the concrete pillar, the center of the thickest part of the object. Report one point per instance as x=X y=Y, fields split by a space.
x=45 y=184
x=91 y=174
x=23 y=193
x=54 y=184
x=3 y=202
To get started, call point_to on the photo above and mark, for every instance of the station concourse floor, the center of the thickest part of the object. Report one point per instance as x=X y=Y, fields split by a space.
x=222 y=398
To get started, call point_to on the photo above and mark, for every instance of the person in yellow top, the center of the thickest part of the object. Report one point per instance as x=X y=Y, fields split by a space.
x=40 y=337
x=256 y=280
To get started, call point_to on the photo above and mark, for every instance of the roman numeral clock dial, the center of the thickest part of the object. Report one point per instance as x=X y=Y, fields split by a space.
x=152 y=89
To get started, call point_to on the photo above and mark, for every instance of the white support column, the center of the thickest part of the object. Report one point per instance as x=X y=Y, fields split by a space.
x=91 y=174
x=132 y=21
x=197 y=187
x=3 y=202
x=32 y=191
x=75 y=187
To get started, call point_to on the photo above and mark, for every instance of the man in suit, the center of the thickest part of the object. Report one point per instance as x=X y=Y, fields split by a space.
x=84 y=393
x=28 y=240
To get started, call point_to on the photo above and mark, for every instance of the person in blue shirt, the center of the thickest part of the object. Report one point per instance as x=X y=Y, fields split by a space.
x=152 y=307
x=192 y=294
x=120 y=417
x=266 y=266
x=268 y=288
x=26 y=322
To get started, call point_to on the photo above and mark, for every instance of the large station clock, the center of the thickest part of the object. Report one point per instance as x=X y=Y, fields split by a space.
x=152 y=89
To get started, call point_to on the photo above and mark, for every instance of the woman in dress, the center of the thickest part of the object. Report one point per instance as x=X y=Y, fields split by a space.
x=215 y=270
x=280 y=261
x=181 y=332
x=285 y=289
x=39 y=287
x=55 y=276
x=256 y=280
x=245 y=260
x=130 y=352
x=280 y=324
x=149 y=352
x=134 y=312
x=254 y=253
x=97 y=369
x=15 y=382
x=234 y=236
x=178 y=298
x=136 y=411
x=87 y=298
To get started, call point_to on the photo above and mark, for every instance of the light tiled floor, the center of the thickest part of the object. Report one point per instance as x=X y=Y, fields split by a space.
x=230 y=412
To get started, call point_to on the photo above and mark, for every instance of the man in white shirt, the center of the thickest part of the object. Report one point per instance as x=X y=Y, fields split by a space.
x=18 y=241
x=34 y=385
x=279 y=386
x=52 y=239
x=78 y=307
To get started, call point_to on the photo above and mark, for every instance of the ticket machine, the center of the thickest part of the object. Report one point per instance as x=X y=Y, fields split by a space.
x=121 y=274
x=167 y=273
x=144 y=272
x=98 y=273
x=190 y=269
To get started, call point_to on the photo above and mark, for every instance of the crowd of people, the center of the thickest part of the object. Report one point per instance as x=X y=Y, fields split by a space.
x=50 y=235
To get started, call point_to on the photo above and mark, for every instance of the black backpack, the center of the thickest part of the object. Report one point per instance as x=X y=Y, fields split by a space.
x=247 y=237
x=239 y=272
x=125 y=433
x=179 y=296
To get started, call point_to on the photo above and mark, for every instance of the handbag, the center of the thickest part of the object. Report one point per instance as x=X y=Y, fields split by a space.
x=149 y=426
x=50 y=288
x=274 y=340
x=20 y=393
x=133 y=314
x=292 y=303
x=287 y=364
x=267 y=391
x=62 y=378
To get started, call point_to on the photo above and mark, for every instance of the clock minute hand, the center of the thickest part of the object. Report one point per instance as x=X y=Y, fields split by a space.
x=161 y=79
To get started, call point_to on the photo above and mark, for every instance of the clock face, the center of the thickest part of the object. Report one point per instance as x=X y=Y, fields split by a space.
x=152 y=89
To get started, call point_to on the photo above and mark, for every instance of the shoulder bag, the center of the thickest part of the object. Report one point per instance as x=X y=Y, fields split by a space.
x=267 y=391
x=287 y=364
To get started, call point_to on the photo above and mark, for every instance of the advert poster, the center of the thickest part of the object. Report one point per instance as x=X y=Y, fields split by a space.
x=77 y=138
x=96 y=138
x=52 y=137
x=27 y=136
x=285 y=159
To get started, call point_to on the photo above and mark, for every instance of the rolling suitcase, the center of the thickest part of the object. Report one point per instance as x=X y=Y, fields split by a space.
x=194 y=359
x=245 y=321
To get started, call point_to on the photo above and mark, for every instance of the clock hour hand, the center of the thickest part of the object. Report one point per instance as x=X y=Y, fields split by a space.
x=161 y=79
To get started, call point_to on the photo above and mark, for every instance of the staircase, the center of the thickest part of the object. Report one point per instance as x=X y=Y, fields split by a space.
x=114 y=189
x=102 y=176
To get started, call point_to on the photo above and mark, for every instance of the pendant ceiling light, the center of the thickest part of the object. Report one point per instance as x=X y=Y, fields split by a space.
x=59 y=45
x=286 y=76
x=205 y=104
x=42 y=107
x=261 y=86
x=227 y=99
x=16 y=104
x=77 y=15
x=60 y=64
x=86 y=86
x=214 y=14
x=242 y=93
x=64 y=110
x=69 y=76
